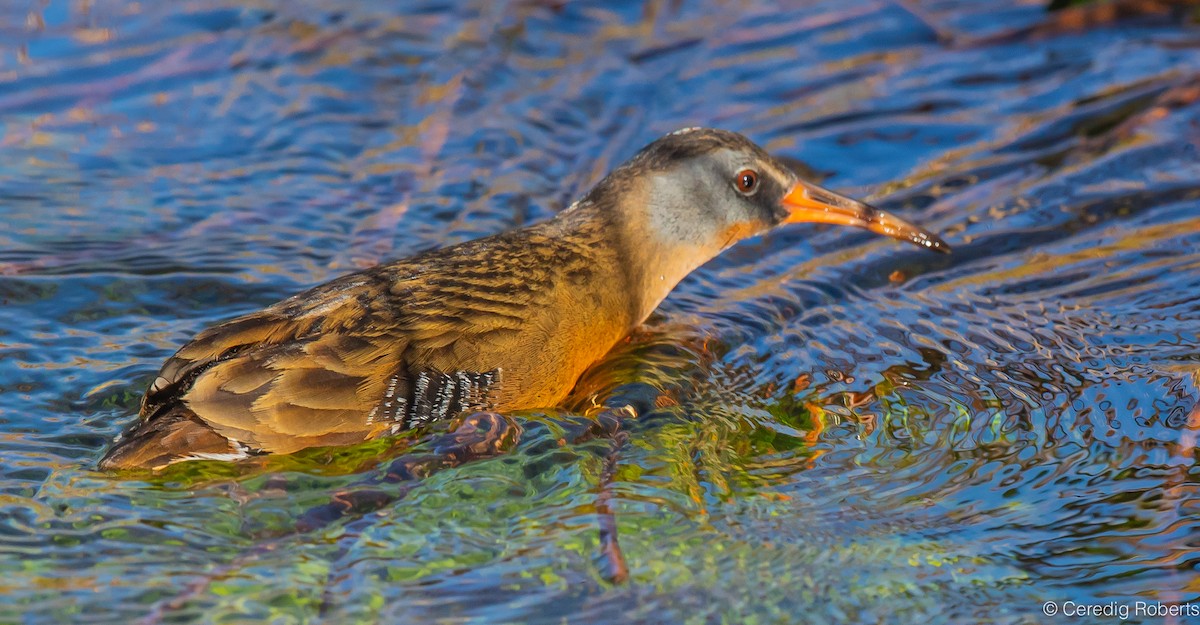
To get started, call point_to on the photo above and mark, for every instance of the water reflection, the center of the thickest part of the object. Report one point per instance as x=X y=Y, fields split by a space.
x=833 y=425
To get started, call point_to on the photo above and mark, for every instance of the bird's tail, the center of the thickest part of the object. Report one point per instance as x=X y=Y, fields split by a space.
x=169 y=437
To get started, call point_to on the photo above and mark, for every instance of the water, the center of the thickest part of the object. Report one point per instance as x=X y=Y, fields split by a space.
x=847 y=429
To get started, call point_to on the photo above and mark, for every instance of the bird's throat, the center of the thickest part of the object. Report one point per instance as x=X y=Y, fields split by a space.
x=647 y=266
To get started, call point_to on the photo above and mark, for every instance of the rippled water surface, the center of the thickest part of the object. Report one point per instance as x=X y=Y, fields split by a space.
x=837 y=428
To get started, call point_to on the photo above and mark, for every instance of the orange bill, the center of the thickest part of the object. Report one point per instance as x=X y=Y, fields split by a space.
x=807 y=202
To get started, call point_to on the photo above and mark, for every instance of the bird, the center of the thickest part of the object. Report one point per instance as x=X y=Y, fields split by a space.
x=501 y=323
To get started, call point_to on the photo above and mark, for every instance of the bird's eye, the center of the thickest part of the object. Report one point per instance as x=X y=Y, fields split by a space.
x=746 y=181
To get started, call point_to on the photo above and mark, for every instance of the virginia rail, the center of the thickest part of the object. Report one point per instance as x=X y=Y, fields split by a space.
x=506 y=322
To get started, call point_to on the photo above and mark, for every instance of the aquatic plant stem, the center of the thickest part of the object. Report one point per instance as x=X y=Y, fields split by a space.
x=615 y=569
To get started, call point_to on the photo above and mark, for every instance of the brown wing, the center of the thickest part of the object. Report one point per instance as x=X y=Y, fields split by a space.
x=340 y=306
x=306 y=371
x=336 y=365
x=330 y=389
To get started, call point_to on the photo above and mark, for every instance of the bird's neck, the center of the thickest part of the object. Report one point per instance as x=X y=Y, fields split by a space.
x=647 y=267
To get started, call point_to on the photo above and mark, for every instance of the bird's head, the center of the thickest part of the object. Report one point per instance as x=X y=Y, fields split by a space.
x=693 y=193
x=707 y=186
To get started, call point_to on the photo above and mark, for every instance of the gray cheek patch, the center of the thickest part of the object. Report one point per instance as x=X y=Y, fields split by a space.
x=682 y=207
